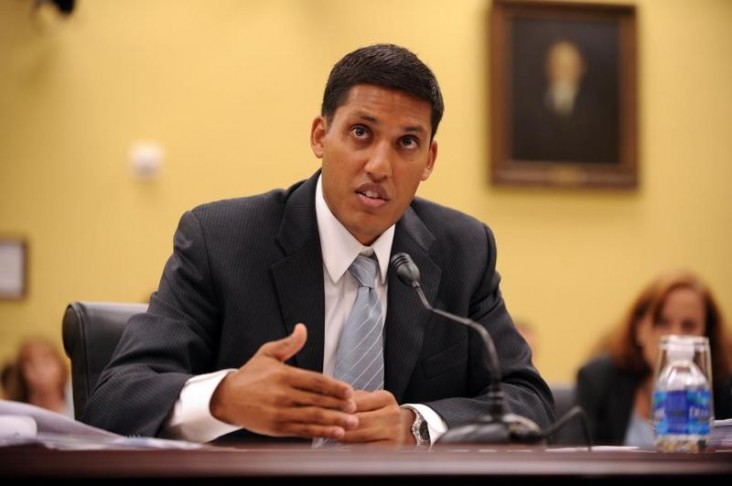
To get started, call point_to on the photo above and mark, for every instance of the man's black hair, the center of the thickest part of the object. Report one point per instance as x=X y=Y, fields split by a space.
x=386 y=65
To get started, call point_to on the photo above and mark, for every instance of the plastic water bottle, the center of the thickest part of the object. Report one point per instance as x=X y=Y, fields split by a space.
x=682 y=402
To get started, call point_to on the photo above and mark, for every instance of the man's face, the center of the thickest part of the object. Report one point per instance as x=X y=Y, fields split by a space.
x=565 y=64
x=374 y=153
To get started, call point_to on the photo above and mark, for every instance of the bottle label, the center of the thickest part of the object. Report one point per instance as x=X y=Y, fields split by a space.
x=682 y=412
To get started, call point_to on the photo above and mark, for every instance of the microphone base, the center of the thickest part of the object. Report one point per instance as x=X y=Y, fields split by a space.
x=508 y=429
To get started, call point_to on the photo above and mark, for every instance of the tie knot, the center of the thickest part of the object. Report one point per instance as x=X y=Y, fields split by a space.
x=364 y=269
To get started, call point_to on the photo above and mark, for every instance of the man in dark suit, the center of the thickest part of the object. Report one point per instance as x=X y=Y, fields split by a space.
x=239 y=340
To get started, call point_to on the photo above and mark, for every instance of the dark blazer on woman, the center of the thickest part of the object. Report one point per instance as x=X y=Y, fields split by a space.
x=244 y=271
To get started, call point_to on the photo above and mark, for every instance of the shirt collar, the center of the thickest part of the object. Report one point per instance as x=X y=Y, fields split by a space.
x=340 y=248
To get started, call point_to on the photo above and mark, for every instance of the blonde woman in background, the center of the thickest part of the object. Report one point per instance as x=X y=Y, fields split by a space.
x=40 y=376
x=615 y=387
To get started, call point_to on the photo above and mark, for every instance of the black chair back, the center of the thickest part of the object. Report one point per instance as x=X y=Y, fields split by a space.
x=91 y=331
x=564 y=401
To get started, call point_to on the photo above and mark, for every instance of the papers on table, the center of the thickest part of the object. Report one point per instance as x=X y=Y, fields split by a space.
x=22 y=423
x=721 y=437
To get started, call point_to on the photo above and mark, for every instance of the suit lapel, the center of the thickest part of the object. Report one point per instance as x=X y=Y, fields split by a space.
x=298 y=277
x=406 y=317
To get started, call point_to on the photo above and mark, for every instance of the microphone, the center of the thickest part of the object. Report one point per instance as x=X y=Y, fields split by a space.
x=497 y=427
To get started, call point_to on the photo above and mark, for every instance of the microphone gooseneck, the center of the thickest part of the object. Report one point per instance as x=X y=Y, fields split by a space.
x=497 y=427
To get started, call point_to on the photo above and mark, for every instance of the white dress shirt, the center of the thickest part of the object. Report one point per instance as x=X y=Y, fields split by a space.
x=191 y=418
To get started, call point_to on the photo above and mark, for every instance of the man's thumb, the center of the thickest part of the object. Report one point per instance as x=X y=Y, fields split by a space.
x=286 y=348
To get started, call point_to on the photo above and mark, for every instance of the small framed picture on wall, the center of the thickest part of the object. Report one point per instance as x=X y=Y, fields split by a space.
x=13 y=268
x=563 y=94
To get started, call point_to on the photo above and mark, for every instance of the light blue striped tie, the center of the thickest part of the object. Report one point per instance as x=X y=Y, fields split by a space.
x=360 y=358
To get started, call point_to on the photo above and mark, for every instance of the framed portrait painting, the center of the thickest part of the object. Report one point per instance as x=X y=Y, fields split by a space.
x=563 y=94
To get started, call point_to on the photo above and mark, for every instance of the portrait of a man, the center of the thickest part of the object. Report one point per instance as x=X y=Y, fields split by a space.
x=565 y=104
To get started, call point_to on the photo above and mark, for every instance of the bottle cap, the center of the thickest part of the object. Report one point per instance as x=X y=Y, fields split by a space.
x=677 y=349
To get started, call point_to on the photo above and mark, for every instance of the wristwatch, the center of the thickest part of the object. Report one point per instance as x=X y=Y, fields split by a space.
x=420 y=428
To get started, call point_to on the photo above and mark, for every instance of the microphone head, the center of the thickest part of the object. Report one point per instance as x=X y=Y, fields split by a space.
x=406 y=269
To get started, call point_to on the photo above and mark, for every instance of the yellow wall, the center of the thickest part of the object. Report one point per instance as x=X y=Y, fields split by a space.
x=229 y=88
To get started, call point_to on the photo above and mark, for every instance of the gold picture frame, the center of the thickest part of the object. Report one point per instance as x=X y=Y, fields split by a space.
x=563 y=94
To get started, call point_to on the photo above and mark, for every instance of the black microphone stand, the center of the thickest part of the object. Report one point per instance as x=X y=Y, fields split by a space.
x=496 y=427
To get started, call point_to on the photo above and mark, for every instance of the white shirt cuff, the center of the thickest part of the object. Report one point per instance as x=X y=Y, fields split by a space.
x=191 y=418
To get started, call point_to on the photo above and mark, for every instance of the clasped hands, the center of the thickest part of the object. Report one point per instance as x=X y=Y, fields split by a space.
x=269 y=397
